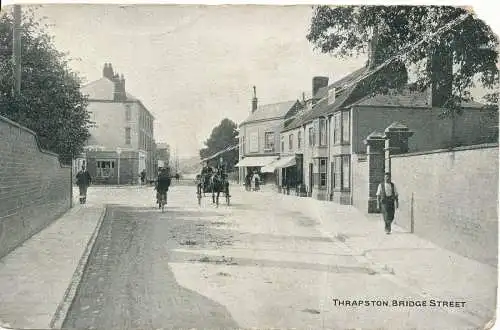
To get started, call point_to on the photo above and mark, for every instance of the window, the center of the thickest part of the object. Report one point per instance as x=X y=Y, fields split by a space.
x=105 y=168
x=290 y=142
x=269 y=141
x=299 y=139
x=311 y=136
x=341 y=169
x=322 y=132
x=337 y=172
x=282 y=143
x=322 y=172
x=336 y=128
x=254 y=142
x=346 y=169
x=346 y=127
x=127 y=135
x=128 y=112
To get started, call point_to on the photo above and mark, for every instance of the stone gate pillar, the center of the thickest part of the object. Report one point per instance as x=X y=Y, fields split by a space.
x=396 y=142
x=375 y=143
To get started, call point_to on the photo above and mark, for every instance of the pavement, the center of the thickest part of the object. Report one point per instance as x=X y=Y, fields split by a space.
x=296 y=255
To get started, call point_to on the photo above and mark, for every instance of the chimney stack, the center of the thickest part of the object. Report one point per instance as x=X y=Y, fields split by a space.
x=317 y=83
x=254 y=100
x=372 y=49
x=122 y=87
x=107 y=72
x=440 y=68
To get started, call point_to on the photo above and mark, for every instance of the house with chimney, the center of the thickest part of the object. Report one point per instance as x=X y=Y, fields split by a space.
x=122 y=142
x=259 y=138
x=329 y=137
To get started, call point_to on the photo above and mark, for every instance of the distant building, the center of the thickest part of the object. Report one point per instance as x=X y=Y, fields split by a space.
x=163 y=154
x=259 y=143
x=122 y=141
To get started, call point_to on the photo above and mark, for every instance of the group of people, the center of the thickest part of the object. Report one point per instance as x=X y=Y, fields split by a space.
x=387 y=195
x=208 y=172
x=252 y=181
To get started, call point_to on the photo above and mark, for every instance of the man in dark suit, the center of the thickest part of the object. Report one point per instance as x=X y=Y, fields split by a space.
x=83 y=181
x=387 y=201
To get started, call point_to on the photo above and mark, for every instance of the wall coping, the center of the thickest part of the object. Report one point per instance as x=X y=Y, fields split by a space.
x=37 y=140
x=438 y=151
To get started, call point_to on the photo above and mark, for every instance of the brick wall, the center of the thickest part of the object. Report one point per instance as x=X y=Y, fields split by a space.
x=34 y=188
x=455 y=198
x=474 y=126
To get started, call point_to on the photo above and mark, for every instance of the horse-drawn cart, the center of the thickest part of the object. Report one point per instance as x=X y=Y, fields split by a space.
x=213 y=183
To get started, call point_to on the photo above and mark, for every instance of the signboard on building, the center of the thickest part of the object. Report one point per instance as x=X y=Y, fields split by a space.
x=254 y=142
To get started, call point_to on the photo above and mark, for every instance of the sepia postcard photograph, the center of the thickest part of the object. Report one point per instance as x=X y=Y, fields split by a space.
x=248 y=166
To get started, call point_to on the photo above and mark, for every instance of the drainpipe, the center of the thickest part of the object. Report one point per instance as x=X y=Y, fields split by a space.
x=328 y=162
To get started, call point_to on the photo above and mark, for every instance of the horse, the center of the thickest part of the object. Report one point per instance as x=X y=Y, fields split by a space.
x=217 y=185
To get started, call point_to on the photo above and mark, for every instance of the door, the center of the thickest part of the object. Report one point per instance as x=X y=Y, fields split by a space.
x=310 y=179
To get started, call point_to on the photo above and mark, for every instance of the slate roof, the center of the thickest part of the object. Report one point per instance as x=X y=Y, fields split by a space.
x=323 y=92
x=269 y=111
x=350 y=97
x=102 y=89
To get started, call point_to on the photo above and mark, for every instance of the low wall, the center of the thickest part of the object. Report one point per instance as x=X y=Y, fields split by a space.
x=455 y=197
x=35 y=188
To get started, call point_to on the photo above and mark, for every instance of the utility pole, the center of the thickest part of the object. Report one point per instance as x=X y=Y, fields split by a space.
x=16 y=53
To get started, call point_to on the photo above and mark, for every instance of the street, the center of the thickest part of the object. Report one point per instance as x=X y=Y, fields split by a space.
x=261 y=262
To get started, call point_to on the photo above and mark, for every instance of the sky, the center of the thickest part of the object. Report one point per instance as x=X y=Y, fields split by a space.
x=194 y=65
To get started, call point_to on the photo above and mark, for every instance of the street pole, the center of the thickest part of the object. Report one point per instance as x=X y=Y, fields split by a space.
x=118 y=152
x=16 y=53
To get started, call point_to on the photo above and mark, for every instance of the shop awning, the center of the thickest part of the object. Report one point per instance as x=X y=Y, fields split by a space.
x=280 y=163
x=269 y=168
x=256 y=161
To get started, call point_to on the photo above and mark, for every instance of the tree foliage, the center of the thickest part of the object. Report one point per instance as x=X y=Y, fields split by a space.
x=223 y=135
x=50 y=103
x=347 y=31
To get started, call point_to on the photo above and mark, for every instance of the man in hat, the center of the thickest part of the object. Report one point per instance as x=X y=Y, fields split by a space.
x=387 y=201
x=83 y=181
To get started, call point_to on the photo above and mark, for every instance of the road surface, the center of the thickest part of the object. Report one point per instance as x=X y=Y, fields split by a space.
x=256 y=263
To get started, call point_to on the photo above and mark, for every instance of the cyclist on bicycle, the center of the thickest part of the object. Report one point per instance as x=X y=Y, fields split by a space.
x=162 y=184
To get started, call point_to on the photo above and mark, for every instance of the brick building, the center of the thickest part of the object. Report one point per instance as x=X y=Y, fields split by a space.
x=122 y=140
x=330 y=135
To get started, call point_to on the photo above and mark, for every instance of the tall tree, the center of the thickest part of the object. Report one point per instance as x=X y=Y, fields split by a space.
x=347 y=31
x=51 y=103
x=223 y=135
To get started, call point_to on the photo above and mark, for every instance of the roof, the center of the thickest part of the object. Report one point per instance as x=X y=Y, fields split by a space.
x=323 y=92
x=102 y=89
x=322 y=108
x=269 y=111
x=405 y=98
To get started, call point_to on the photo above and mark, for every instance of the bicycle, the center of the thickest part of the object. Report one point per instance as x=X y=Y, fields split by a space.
x=162 y=201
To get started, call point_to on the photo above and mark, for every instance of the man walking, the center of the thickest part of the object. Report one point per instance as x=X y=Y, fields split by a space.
x=83 y=181
x=387 y=201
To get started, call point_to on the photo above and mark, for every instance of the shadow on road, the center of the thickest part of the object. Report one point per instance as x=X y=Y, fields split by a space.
x=127 y=283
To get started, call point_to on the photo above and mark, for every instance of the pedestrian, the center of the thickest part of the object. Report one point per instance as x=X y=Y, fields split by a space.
x=83 y=181
x=248 y=181
x=143 y=177
x=255 y=181
x=387 y=201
